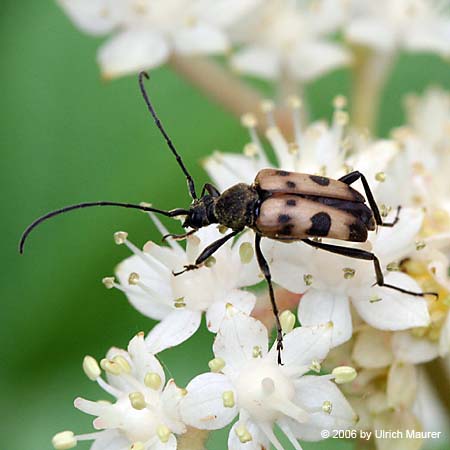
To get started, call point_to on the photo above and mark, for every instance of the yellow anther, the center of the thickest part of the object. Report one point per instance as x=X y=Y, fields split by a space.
x=228 y=399
x=243 y=434
x=293 y=148
x=137 y=446
x=91 y=368
x=120 y=237
x=308 y=279
x=294 y=102
x=385 y=210
x=250 y=150
x=267 y=106
x=108 y=282
x=222 y=229
x=246 y=252
x=152 y=380
x=179 y=302
x=249 y=120
x=64 y=440
x=340 y=102
x=133 y=279
x=349 y=273
x=393 y=267
x=123 y=363
x=420 y=245
x=315 y=366
x=380 y=176
x=183 y=392
x=344 y=374
x=111 y=367
x=287 y=320
x=327 y=407
x=137 y=400
x=257 y=352
x=375 y=298
x=210 y=261
x=216 y=364
x=163 y=433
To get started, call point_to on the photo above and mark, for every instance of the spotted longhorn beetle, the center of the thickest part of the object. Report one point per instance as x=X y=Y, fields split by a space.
x=280 y=205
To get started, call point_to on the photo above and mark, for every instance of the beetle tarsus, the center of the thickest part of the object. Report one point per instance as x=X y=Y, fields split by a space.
x=187 y=268
x=395 y=221
x=177 y=237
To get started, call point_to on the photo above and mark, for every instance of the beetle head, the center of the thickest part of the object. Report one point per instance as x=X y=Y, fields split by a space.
x=201 y=213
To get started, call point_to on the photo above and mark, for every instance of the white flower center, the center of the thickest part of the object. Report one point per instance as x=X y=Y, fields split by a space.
x=137 y=425
x=266 y=393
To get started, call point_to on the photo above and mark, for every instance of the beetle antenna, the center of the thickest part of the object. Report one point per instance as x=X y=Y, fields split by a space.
x=32 y=226
x=169 y=142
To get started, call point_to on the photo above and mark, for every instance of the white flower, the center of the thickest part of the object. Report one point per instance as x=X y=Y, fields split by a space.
x=284 y=39
x=319 y=148
x=178 y=301
x=145 y=413
x=146 y=32
x=388 y=26
x=247 y=380
x=330 y=282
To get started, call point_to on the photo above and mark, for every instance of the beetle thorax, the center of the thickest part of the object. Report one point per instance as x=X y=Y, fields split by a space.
x=235 y=208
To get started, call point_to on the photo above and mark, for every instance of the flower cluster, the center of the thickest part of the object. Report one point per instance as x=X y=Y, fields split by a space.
x=348 y=323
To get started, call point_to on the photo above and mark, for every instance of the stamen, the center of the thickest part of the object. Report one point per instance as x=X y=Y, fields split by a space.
x=246 y=252
x=380 y=176
x=290 y=435
x=287 y=320
x=90 y=407
x=375 y=298
x=249 y=121
x=340 y=102
x=327 y=407
x=420 y=245
x=216 y=365
x=123 y=363
x=137 y=400
x=108 y=282
x=267 y=107
x=228 y=399
x=91 y=368
x=393 y=267
x=120 y=237
x=152 y=380
x=349 y=273
x=137 y=446
x=64 y=440
x=343 y=374
x=257 y=352
x=179 y=302
x=295 y=104
x=210 y=262
x=163 y=433
x=315 y=366
x=308 y=279
x=243 y=434
x=250 y=150
x=134 y=280
x=110 y=366
x=279 y=145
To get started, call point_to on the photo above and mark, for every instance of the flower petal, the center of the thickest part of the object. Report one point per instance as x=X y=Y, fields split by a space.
x=310 y=394
x=415 y=350
x=372 y=33
x=372 y=349
x=401 y=385
x=238 y=335
x=132 y=51
x=89 y=15
x=253 y=60
x=259 y=440
x=171 y=444
x=201 y=38
x=320 y=306
x=303 y=345
x=176 y=328
x=110 y=440
x=395 y=310
x=203 y=406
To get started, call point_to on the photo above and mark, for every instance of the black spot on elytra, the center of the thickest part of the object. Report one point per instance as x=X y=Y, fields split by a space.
x=290 y=184
x=284 y=218
x=321 y=224
x=357 y=232
x=287 y=229
x=320 y=180
x=282 y=173
x=291 y=202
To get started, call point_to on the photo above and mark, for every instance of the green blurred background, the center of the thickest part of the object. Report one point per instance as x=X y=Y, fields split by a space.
x=68 y=137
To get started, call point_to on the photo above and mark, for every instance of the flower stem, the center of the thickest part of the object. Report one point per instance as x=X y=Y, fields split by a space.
x=370 y=72
x=226 y=89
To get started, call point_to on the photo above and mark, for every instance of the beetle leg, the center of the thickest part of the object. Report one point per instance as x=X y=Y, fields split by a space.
x=357 y=253
x=264 y=266
x=350 y=178
x=207 y=252
x=212 y=190
x=178 y=237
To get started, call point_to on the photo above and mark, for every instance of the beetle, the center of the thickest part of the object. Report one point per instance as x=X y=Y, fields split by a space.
x=281 y=205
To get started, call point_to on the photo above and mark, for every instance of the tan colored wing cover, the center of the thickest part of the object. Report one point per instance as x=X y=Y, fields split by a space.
x=289 y=217
x=274 y=180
